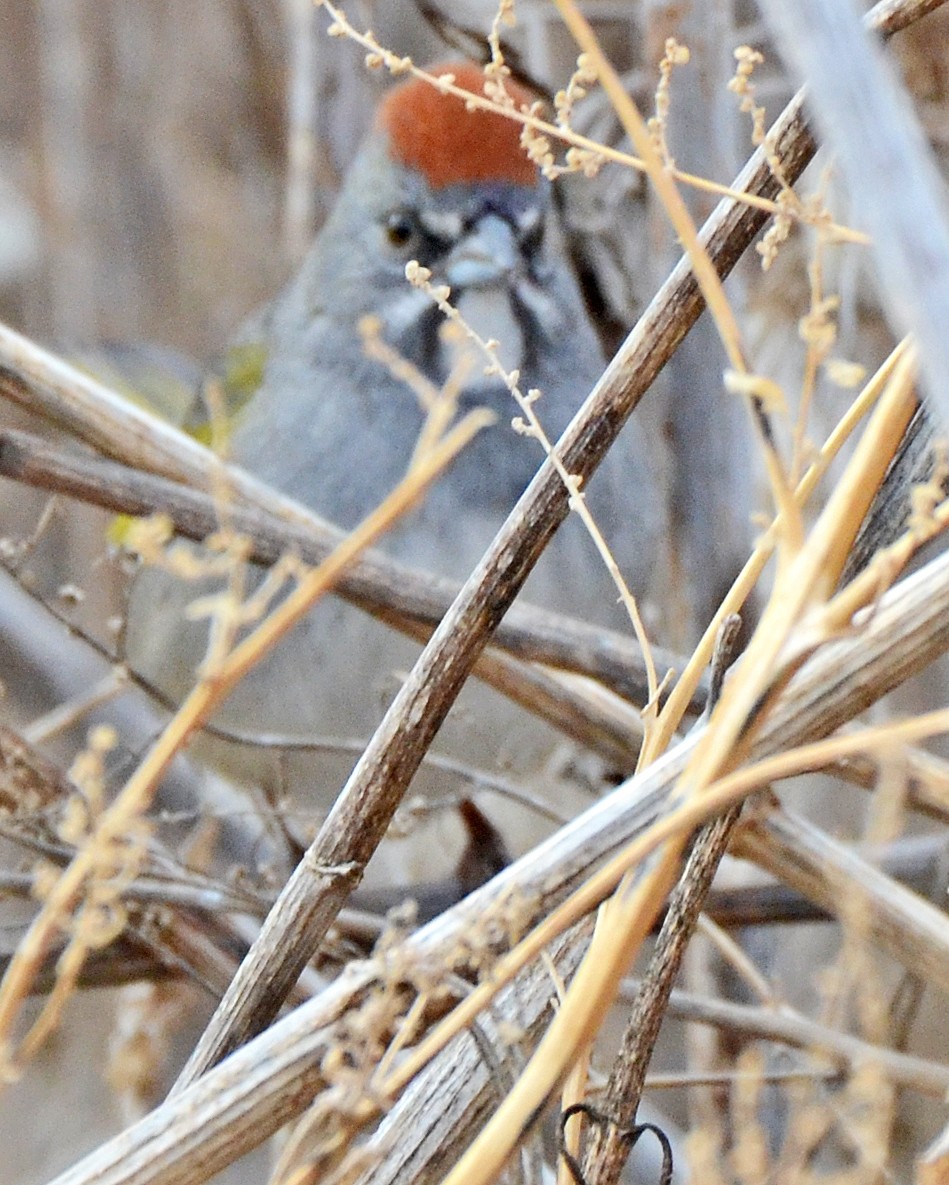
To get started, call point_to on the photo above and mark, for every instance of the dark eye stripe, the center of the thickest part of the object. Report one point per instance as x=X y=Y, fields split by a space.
x=447 y=227
x=428 y=235
x=408 y=233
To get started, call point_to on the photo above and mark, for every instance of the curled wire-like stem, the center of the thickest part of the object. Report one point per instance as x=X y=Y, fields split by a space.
x=629 y=1133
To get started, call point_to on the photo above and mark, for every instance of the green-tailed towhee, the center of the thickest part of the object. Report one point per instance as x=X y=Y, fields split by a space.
x=321 y=421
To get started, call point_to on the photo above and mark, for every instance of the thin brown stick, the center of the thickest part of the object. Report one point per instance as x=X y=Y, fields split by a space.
x=790 y=1028
x=609 y=1146
x=840 y=881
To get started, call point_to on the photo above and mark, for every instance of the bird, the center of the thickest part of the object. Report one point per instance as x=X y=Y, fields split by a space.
x=319 y=419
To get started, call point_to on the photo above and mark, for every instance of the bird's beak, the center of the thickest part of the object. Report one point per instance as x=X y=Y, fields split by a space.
x=485 y=257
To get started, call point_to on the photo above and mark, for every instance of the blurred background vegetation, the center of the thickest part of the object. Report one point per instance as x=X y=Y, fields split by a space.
x=164 y=164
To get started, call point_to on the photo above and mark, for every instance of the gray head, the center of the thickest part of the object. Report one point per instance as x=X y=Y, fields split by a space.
x=453 y=189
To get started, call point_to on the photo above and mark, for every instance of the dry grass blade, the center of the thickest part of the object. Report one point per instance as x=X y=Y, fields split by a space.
x=671 y=715
x=927 y=778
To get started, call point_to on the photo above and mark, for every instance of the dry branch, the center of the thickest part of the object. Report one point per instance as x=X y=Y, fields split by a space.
x=798 y=853
x=404 y=597
x=609 y=1145
x=787 y=1027
x=236 y=1105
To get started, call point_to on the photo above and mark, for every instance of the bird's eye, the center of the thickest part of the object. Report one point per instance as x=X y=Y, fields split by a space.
x=400 y=229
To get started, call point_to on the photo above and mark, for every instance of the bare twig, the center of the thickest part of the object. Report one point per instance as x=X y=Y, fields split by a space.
x=608 y=1148
x=842 y=882
x=609 y=1145
x=790 y=1028
x=917 y=863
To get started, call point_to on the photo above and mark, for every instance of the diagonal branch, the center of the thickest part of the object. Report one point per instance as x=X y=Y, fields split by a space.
x=238 y=1104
